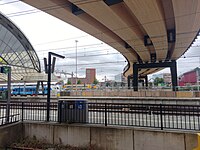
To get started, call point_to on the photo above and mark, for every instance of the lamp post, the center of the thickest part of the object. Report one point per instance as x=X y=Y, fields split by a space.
x=49 y=70
x=76 y=65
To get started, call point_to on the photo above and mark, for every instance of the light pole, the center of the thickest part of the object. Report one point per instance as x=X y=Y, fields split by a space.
x=50 y=69
x=76 y=65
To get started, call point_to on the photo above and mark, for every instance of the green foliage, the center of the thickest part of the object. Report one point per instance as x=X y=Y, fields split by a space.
x=150 y=84
x=95 y=81
x=107 y=84
x=69 y=82
x=158 y=81
x=189 y=88
x=79 y=82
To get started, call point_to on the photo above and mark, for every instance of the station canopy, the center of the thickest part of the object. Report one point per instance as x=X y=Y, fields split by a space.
x=16 y=52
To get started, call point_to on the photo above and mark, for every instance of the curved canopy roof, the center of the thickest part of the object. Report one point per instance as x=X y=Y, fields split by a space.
x=142 y=30
x=16 y=51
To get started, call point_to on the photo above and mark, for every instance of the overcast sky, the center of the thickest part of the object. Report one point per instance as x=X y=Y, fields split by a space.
x=47 y=33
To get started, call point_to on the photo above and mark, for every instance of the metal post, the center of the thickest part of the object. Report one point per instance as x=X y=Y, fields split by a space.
x=42 y=88
x=60 y=103
x=49 y=82
x=76 y=65
x=9 y=95
x=37 y=88
x=48 y=86
x=22 y=117
x=135 y=77
x=105 y=114
x=161 y=117
x=173 y=70
x=129 y=81
x=72 y=80
x=146 y=81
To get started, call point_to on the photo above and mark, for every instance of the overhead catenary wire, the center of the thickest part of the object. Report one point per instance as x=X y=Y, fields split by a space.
x=61 y=4
x=68 y=5
x=11 y=2
x=111 y=62
x=67 y=48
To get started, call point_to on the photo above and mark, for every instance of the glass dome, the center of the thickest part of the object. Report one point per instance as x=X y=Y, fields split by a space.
x=16 y=51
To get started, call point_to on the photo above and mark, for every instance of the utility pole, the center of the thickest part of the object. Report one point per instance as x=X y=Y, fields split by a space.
x=76 y=65
x=72 y=79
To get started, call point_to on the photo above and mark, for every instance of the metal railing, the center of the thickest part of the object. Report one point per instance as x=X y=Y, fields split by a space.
x=163 y=116
x=147 y=115
x=14 y=113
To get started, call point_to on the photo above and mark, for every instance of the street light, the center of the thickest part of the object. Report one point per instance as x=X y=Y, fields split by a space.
x=76 y=65
x=50 y=69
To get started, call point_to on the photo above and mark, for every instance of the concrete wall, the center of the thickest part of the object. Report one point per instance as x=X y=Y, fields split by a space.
x=10 y=134
x=131 y=93
x=111 y=138
x=105 y=138
x=139 y=100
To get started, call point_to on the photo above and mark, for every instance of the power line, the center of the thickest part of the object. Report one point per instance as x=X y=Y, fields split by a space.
x=104 y=54
x=10 y=2
x=68 y=5
x=112 y=62
x=90 y=45
x=61 y=4
x=71 y=47
x=73 y=38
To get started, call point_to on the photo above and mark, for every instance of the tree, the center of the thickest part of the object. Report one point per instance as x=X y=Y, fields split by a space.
x=69 y=82
x=107 y=84
x=158 y=81
x=79 y=82
x=150 y=84
x=95 y=81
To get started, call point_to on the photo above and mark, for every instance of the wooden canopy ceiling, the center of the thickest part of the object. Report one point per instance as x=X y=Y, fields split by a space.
x=141 y=30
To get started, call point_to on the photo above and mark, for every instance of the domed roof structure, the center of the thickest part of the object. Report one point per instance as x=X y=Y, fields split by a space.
x=16 y=51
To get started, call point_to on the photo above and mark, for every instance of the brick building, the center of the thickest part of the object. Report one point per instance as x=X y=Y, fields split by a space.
x=89 y=79
x=190 y=78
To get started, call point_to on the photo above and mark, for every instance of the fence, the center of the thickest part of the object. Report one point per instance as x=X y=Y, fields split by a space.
x=14 y=113
x=185 y=117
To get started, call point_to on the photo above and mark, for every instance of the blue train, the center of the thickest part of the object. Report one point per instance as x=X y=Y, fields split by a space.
x=27 y=90
x=24 y=90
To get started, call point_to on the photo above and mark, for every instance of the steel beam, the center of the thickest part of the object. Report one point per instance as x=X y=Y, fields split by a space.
x=129 y=81
x=135 y=77
x=112 y=2
x=171 y=64
x=76 y=10
x=173 y=70
x=146 y=81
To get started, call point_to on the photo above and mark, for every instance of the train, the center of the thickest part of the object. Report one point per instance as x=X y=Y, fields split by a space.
x=26 y=90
